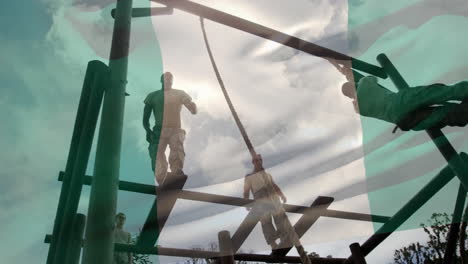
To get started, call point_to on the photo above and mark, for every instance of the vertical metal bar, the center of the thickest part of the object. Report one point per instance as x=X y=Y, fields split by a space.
x=356 y=254
x=446 y=149
x=77 y=130
x=81 y=162
x=73 y=257
x=225 y=247
x=452 y=236
x=99 y=245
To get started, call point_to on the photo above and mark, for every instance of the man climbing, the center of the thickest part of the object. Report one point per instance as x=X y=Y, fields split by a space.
x=267 y=197
x=414 y=108
x=122 y=237
x=166 y=105
x=267 y=204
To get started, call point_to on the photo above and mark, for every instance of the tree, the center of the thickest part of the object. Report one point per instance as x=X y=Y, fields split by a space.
x=139 y=258
x=433 y=250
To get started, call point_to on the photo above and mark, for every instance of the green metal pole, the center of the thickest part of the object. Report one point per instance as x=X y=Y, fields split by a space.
x=100 y=80
x=440 y=140
x=99 y=241
x=77 y=131
x=452 y=236
x=74 y=247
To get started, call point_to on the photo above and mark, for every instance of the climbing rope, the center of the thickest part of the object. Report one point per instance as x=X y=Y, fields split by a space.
x=295 y=238
x=226 y=95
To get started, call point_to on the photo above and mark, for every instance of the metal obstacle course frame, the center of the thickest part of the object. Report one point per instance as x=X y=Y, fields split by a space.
x=108 y=83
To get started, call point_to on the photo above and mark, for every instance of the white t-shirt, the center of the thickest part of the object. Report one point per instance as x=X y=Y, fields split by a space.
x=261 y=184
x=121 y=237
x=172 y=100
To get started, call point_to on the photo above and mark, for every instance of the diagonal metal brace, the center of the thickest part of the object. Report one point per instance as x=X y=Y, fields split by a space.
x=161 y=209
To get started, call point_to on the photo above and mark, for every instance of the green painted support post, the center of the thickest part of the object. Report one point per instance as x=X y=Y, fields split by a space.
x=98 y=83
x=73 y=257
x=452 y=236
x=77 y=130
x=99 y=245
x=161 y=209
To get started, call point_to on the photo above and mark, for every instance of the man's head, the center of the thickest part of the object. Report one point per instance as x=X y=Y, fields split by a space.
x=349 y=90
x=257 y=161
x=166 y=80
x=120 y=220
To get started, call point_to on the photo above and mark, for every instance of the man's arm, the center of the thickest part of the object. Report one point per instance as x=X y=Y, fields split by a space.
x=279 y=192
x=187 y=101
x=146 y=123
x=130 y=255
x=146 y=118
x=192 y=107
x=246 y=189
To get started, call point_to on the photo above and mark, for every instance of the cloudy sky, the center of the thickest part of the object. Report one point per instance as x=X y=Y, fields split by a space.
x=312 y=141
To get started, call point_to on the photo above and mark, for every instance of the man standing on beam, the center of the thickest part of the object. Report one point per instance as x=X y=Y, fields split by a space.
x=123 y=237
x=267 y=197
x=166 y=105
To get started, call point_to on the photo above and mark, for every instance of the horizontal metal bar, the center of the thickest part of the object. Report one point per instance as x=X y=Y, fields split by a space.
x=355 y=216
x=270 y=34
x=189 y=253
x=123 y=185
x=236 y=201
x=147 y=11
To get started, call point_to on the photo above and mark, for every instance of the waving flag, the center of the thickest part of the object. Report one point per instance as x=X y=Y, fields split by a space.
x=312 y=141
x=422 y=38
